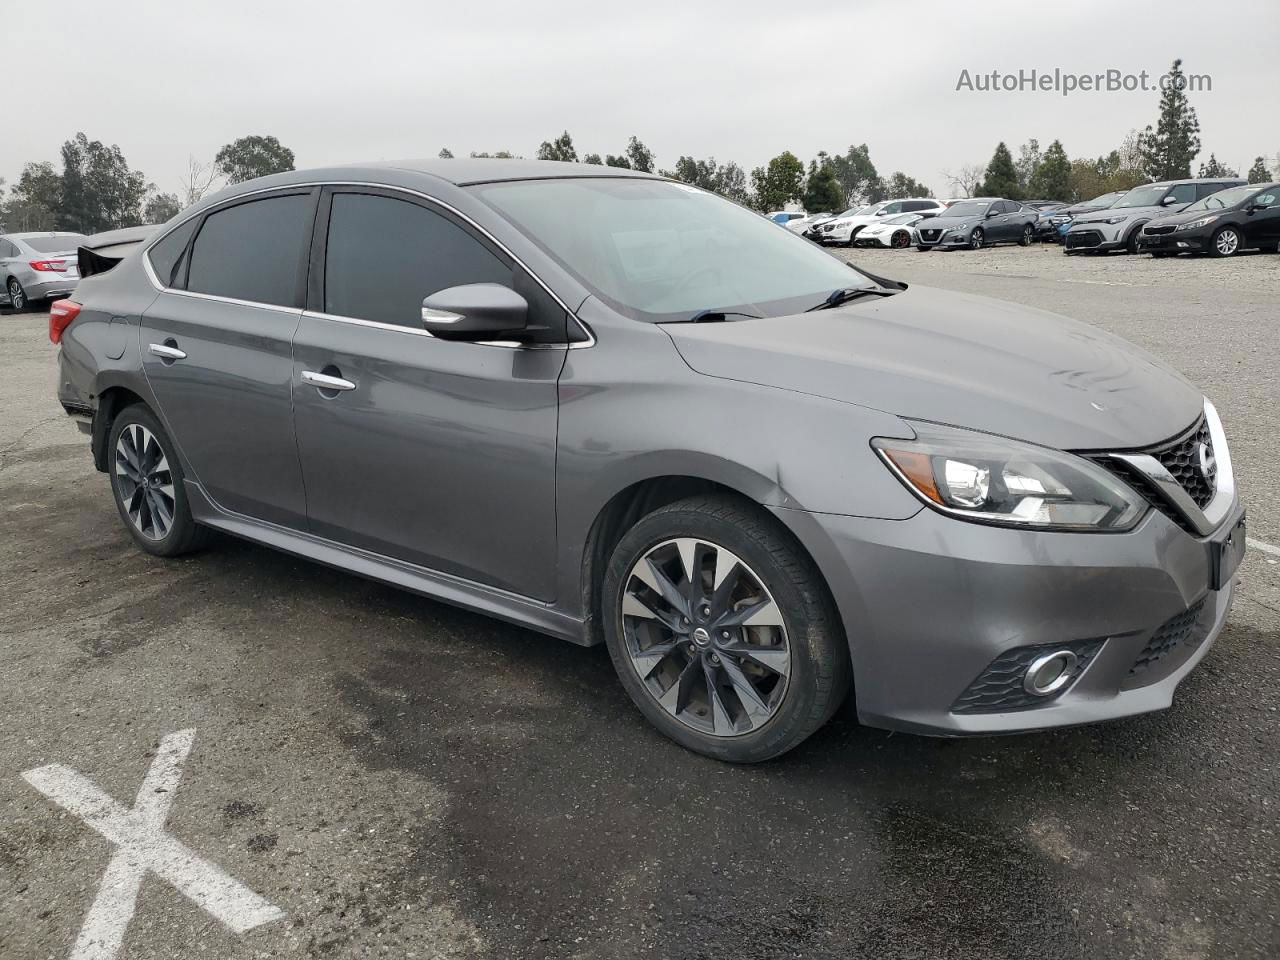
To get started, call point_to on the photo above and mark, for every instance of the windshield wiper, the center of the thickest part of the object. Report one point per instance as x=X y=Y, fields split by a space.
x=837 y=297
x=717 y=316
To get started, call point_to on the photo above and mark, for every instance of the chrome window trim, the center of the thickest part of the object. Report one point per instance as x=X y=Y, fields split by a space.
x=416 y=332
x=312 y=184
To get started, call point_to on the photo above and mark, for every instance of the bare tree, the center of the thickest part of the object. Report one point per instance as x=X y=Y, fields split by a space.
x=199 y=181
x=968 y=179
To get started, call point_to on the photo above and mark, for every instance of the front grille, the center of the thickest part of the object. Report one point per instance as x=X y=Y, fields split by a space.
x=930 y=236
x=1157 y=231
x=999 y=687
x=1084 y=238
x=1181 y=457
x=1181 y=632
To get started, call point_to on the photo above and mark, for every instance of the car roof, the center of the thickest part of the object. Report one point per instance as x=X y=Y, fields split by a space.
x=1176 y=183
x=462 y=171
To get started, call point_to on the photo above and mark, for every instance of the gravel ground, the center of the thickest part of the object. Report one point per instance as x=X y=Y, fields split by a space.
x=403 y=779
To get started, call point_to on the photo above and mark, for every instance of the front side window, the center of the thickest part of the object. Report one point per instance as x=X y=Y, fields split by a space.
x=658 y=251
x=968 y=208
x=1183 y=193
x=253 y=251
x=1143 y=197
x=384 y=256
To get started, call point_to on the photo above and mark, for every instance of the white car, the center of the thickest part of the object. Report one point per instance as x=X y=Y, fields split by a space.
x=843 y=229
x=783 y=217
x=896 y=232
x=803 y=225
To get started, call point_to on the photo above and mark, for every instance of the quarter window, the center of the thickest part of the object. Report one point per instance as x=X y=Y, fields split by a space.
x=384 y=256
x=168 y=257
x=252 y=251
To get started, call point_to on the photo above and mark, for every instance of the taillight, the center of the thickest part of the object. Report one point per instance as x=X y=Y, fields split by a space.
x=61 y=313
x=53 y=266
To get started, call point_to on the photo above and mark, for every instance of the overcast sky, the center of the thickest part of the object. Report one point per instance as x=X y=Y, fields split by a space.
x=740 y=80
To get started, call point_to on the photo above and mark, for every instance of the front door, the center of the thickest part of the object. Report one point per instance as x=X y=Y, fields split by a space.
x=1262 y=226
x=217 y=351
x=438 y=453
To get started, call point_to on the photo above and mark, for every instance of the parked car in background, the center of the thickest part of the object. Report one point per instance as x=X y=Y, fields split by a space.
x=897 y=232
x=1117 y=227
x=1063 y=217
x=976 y=223
x=1045 y=210
x=37 y=267
x=1222 y=224
x=844 y=229
x=433 y=373
x=802 y=225
x=783 y=217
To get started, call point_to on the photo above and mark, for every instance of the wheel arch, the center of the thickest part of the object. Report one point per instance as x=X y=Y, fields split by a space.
x=111 y=401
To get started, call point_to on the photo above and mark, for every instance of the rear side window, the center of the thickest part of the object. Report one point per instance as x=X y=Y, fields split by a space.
x=252 y=251
x=168 y=257
x=384 y=256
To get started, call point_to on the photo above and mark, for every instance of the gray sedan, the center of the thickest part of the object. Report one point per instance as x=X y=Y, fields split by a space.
x=618 y=409
x=37 y=266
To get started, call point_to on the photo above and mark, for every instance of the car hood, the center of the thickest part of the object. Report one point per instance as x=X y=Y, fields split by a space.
x=1187 y=217
x=949 y=223
x=958 y=359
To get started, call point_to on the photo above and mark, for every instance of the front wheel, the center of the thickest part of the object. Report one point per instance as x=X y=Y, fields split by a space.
x=1226 y=242
x=147 y=483
x=1028 y=235
x=900 y=239
x=721 y=630
x=923 y=249
x=976 y=239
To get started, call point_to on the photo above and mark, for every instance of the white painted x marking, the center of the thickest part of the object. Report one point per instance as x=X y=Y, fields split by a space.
x=144 y=846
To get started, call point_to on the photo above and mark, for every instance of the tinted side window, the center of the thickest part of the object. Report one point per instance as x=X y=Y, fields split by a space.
x=168 y=257
x=252 y=251
x=384 y=256
x=1207 y=189
x=1183 y=193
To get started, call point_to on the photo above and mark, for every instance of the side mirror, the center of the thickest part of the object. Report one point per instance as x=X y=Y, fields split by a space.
x=475 y=311
x=992 y=213
x=1168 y=200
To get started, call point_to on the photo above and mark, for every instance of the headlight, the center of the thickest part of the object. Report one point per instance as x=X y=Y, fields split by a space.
x=1116 y=219
x=1196 y=224
x=988 y=479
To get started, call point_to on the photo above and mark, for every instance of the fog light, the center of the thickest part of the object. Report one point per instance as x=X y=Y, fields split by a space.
x=1050 y=673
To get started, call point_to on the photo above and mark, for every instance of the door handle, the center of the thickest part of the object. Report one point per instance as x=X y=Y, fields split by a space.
x=166 y=352
x=323 y=381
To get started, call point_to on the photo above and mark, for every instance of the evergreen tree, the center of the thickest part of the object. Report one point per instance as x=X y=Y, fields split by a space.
x=593 y=158
x=779 y=183
x=1259 y=173
x=621 y=162
x=855 y=172
x=640 y=156
x=445 y=153
x=1002 y=175
x=822 y=191
x=900 y=185
x=1215 y=169
x=1167 y=151
x=561 y=148
x=1052 y=177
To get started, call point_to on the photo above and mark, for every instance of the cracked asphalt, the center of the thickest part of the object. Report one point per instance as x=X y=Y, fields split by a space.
x=404 y=779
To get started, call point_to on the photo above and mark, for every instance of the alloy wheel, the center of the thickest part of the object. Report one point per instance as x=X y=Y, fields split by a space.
x=705 y=636
x=975 y=240
x=17 y=297
x=144 y=481
x=901 y=239
x=1227 y=242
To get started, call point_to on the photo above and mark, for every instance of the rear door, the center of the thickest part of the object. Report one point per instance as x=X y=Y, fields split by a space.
x=1262 y=226
x=438 y=453
x=217 y=349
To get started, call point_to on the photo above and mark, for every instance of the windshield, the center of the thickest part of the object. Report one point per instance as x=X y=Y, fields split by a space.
x=660 y=251
x=1106 y=200
x=1143 y=197
x=967 y=208
x=1223 y=198
x=66 y=242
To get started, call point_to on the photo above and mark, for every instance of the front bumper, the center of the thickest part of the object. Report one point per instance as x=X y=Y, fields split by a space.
x=1188 y=241
x=1095 y=236
x=931 y=602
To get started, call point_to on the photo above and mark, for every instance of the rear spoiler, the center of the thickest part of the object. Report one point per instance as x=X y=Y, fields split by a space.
x=103 y=251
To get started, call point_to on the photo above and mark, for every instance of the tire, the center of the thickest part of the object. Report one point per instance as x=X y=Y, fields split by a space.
x=1226 y=242
x=17 y=296
x=1158 y=254
x=798 y=633
x=1270 y=248
x=1028 y=235
x=1131 y=245
x=900 y=239
x=921 y=249
x=977 y=239
x=143 y=511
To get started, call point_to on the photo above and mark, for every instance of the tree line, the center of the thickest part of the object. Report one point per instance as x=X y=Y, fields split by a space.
x=96 y=190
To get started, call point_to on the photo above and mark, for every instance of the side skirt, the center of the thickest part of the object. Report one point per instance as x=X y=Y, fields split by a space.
x=511 y=607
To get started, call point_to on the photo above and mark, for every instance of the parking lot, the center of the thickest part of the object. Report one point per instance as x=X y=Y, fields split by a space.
x=397 y=777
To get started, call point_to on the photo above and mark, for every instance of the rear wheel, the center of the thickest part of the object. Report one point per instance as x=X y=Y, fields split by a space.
x=721 y=630
x=1226 y=242
x=147 y=482
x=17 y=296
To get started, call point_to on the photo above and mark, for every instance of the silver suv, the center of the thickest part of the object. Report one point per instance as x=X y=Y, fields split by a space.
x=616 y=408
x=1118 y=226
